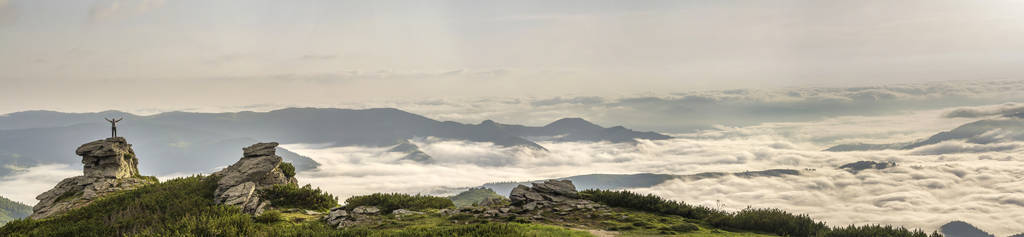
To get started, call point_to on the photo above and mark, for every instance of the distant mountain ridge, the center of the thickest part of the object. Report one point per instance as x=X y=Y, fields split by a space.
x=987 y=131
x=11 y=210
x=184 y=142
x=962 y=229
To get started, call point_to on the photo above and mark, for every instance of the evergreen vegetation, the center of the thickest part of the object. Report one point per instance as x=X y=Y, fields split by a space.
x=184 y=207
x=306 y=197
x=11 y=210
x=287 y=168
x=388 y=202
x=762 y=220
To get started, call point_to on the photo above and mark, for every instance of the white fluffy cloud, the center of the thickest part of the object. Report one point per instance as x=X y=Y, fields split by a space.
x=23 y=186
x=978 y=183
x=931 y=185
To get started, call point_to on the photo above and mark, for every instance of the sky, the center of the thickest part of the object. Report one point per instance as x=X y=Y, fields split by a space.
x=741 y=85
x=160 y=55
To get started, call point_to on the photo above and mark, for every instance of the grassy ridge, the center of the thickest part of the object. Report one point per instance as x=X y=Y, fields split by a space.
x=751 y=219
x=184 y=207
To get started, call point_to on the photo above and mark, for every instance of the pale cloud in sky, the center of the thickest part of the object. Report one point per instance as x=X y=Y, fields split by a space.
x=356 y=50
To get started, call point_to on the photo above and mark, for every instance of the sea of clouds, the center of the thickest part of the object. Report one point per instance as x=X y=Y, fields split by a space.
x=932 y=185
x=716 y=132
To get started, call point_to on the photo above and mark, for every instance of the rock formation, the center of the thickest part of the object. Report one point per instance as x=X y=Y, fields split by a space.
x=258 y=169
x=553 y=196
x=559 y=195
x=110 y=166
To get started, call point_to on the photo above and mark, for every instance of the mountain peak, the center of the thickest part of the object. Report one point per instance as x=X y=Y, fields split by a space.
x=962 y=229
x=572 y=124
x=488 y=123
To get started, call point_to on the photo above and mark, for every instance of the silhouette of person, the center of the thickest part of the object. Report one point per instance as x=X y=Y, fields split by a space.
x=113 y=126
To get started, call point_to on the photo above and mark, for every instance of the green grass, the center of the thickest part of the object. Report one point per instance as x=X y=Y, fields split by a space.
x=305 y=197
x=769 y=220
x=184 y=207
x=388 y=202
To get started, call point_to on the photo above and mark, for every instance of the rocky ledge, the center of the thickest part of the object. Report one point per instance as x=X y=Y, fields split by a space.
x=110 y=166
x=545 y=200
x=256 y=170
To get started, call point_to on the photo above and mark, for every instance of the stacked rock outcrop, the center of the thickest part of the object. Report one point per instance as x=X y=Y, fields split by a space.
x=257 y=169
x=110 y=165
x=552 y=196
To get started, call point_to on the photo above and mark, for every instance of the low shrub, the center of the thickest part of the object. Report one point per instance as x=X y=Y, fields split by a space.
x=388 y=202
x=287 y=168
x=684 y=227
x=305 y=197
x=269 y=217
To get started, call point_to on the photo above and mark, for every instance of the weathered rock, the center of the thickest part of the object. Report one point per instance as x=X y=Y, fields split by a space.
x=110 y=166
x=336 y=216
x=238 y=195
x=404 y=212
x=558 y=187
x=109 y=158
x=447 y=212
x=522 y=194
x=260 y=149
x=557 y=191
x=366 y=210
x=257 y=170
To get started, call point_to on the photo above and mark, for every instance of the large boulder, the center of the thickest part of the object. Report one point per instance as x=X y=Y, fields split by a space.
x=109 y=158
x=256 y=170
x=551 y=190
x=110 y=166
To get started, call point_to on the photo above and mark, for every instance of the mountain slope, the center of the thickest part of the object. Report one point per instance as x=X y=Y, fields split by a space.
x=962 y=229
x=11 y=210
x=182 y=142
x=981 y=132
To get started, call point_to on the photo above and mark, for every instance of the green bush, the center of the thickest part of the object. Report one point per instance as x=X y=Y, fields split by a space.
x=388 y=202
x=287 y=168
x=877 y=230
x=291 y=195
x=760 y=220
x=776 y=221
x=684 y=227
x=269 y=217
x=650 y=203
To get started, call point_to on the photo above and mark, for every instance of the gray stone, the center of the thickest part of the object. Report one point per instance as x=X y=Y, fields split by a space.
x=336 y=216
x=559 y=187
x=257 y=169
x=260 y=149
x=237 y=195
x=367 y=210
x=110 y=166
x=404 y=212
x=530 y=206
x=108 y=158
x=522 y=194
